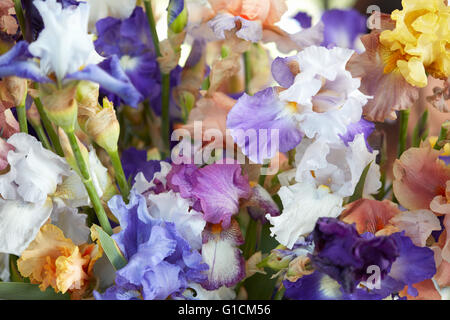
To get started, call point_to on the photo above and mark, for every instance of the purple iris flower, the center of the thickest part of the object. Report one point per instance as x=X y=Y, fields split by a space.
x=131 y=41
x=345 y=256
x=341 y=258
x=272 y=131
x=161 y=263
x=134 y=161
x=214 y=189
x=343 y=27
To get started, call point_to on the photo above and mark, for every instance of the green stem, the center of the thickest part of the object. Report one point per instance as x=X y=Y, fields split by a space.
x=151 y=22
x=165 y=78
x=250 y=239
x=49 y=128
x=420 y=130
x=442 y=135
x=89 y=185
x=280 y=293
x=42 y=136
x=247 y=71
x=404 y=117
x=165 y=121
x=120 y=175
x=262 y=176
x=22 y=116
x=20 y=17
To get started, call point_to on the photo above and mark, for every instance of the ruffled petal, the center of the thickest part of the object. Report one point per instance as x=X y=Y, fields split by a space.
x=419 y=177
x=261 y=125
x=303 y=205
x=370 y=215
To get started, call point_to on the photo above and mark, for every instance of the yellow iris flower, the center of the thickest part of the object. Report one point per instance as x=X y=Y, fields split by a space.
x=420 y=40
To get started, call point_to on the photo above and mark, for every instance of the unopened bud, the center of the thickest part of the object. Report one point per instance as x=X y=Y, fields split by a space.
x=33 y=115
x=179 y=23
x=277 y=260
x=17 y=88
x=104 y=128
x=60 y=105
x=87 y=99
x=68 y=152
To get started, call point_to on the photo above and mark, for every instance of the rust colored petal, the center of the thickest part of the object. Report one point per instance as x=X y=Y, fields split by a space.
x=369 y=215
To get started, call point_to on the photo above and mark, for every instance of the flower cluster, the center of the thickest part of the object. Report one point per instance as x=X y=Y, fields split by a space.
x=245 y=144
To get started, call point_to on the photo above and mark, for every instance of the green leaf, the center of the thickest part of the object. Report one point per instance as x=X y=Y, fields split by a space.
x=360 y=186
x=112 y=251
x=28 y=291
x=420 y=130
x=15 y=274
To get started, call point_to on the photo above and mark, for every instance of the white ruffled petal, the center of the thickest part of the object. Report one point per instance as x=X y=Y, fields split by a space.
x=172 y=207
x=64 y=44
x=20 y=222
x=337 y=166
x=303 y=205
x=141 y=184
x=71 y=222
x=34 y=171
x=223 y=293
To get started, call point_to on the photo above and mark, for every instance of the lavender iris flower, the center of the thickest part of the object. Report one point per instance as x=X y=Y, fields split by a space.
x=161 y=262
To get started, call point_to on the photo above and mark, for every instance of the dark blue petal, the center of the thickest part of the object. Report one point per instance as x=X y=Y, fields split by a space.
x=112 y=78
x=18 y=62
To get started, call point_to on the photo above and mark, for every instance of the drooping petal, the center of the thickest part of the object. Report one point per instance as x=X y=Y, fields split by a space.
x=34 y=171
x=112 y=78
x=219 y=187
x=20 y=222
x=391 y=91
x=221 y=253
x=303 y=205
x=419 y=177
x=18 y=62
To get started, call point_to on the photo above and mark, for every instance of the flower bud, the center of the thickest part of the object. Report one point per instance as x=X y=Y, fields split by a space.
x=87 y=99
x=104 y=128
x=17 y=88
x=178 y=24
x=68 y=152
x=60 y=105
x=33 y=115
x=278 y=260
